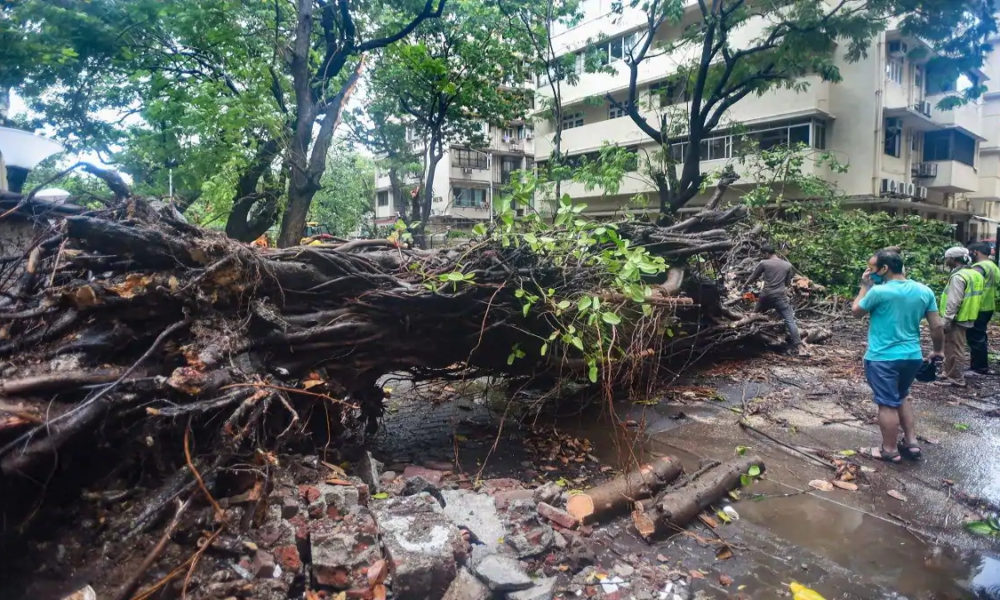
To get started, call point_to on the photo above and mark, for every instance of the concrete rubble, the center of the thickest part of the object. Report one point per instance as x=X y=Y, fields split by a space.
x=428 y=531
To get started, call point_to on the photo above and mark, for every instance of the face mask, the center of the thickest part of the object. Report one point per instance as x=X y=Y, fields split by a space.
x=877 y=279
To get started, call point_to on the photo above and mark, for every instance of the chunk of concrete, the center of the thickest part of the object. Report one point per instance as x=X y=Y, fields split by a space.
x=342 y=550
x=369 y=470
x=422 y=545
x=477 y=513
x=502 y=573
x=543 y=589
x=343 y=498
x=433 y=476
x=467 y=587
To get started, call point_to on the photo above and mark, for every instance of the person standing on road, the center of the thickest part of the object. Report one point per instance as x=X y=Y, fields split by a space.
x=777 y=275
x=976 y=335
x=959 y=308
x=896 y=305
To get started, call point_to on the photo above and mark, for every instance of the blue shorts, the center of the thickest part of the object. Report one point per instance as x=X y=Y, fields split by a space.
x=890 y=380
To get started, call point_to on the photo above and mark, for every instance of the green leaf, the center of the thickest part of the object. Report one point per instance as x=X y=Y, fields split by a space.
x=847 y=453
x=479 y=229
x=380 y=496
x=610 y=318
x=525 y=309
x=742 y=450
x=980 y=528
x=544 y=349
x=592 y=374
x=745 y=480
x=961 y=426
x=584 y=303
x=577 y=342
x=564 y=304
x=753 y=471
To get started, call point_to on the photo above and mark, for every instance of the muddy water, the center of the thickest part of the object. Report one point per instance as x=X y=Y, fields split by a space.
x=842 y=547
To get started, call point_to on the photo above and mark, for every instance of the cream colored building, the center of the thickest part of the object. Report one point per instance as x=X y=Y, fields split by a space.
x=904 y=154
x=466 y=179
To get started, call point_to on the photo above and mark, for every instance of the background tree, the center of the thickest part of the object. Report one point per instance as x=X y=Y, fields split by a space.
x=449 y=80
x=243 y=96
x=797 y=38
x=537 y=22
x=344 y=199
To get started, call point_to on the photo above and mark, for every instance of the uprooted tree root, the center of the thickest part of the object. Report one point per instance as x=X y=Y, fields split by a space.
x=137 y=345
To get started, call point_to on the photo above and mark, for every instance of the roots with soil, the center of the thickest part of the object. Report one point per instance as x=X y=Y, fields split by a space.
x=138 y=347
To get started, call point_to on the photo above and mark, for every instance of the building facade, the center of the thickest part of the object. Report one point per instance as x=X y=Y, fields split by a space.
x=904 y=154
x=466 y=180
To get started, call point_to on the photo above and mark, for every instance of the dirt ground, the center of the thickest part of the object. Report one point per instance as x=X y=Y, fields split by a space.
x=899 y=535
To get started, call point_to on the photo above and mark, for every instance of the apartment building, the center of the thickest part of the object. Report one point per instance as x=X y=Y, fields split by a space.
x=466 y=179
x=904 y=154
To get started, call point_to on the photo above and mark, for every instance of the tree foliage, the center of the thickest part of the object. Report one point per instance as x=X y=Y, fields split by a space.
x=242 y=97
x=451 y=78
x=718 y=65
x=344 y=199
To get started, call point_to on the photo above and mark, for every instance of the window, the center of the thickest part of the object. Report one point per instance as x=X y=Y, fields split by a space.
x=469 y=159
x=949 y=145
x=382 y=198
x=615 y=112
x=819 y=135
x=894 y=69
x=678 y=152
x=571 y=120
x=893 y=141
x=716 y=148
x=669 y=92
x=469 y=197
x=509 y=135
x=798 y=134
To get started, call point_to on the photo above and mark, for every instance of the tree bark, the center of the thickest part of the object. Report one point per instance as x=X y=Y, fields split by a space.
x=246 y=197
x=674 y=510
x=619 y=495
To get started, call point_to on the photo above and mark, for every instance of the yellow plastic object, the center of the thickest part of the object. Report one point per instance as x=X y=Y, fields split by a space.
x=801 y=592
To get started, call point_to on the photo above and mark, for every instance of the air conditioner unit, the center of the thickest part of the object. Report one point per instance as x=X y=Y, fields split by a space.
x=884 y=189
x=923 y=107
x=519 y=212
x=897 y=49
x=926 y=170
x=911 y=190
x=467 y=170
x=921 y=193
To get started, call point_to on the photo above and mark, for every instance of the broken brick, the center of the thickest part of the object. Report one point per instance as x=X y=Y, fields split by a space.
x=557 y=516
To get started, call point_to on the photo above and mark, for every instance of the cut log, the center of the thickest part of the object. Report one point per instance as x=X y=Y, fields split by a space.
x=674 y=510
x=617 y=496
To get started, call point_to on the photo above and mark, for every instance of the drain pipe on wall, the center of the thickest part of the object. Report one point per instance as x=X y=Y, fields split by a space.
x=879 y=120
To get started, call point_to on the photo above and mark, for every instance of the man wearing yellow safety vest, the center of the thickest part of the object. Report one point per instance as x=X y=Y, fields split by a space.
x=976 y=335
x=959 y=309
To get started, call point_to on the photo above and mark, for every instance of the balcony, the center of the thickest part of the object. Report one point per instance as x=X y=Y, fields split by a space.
x=952 y=176
x=916 y=115
x=966 y=117
x=470 y=174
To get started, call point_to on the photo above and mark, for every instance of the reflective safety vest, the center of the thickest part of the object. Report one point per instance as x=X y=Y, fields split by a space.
x=973 y=299
x=992 y=276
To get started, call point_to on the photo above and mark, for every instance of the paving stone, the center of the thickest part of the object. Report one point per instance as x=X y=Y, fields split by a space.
x=342 y=550
x=543 y=589
x=467 y=586
x=477 y=513
x=502 y=573
x=422 y=546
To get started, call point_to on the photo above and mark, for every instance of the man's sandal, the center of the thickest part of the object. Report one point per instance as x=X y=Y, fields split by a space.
x=880 y=454
x=910 y=451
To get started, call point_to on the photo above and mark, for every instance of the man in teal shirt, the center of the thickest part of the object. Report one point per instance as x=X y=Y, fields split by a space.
x=897 y=305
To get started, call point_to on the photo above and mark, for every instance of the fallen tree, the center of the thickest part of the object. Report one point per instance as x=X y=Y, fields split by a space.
x=128 y=335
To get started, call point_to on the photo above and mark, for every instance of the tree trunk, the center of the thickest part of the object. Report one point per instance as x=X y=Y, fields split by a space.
x=238 y=226
x=435 y=154
x=674 y=510
x=618 y=495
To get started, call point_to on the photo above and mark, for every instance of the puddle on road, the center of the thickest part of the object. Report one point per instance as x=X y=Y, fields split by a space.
x=881 y=552
x=870 y=550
